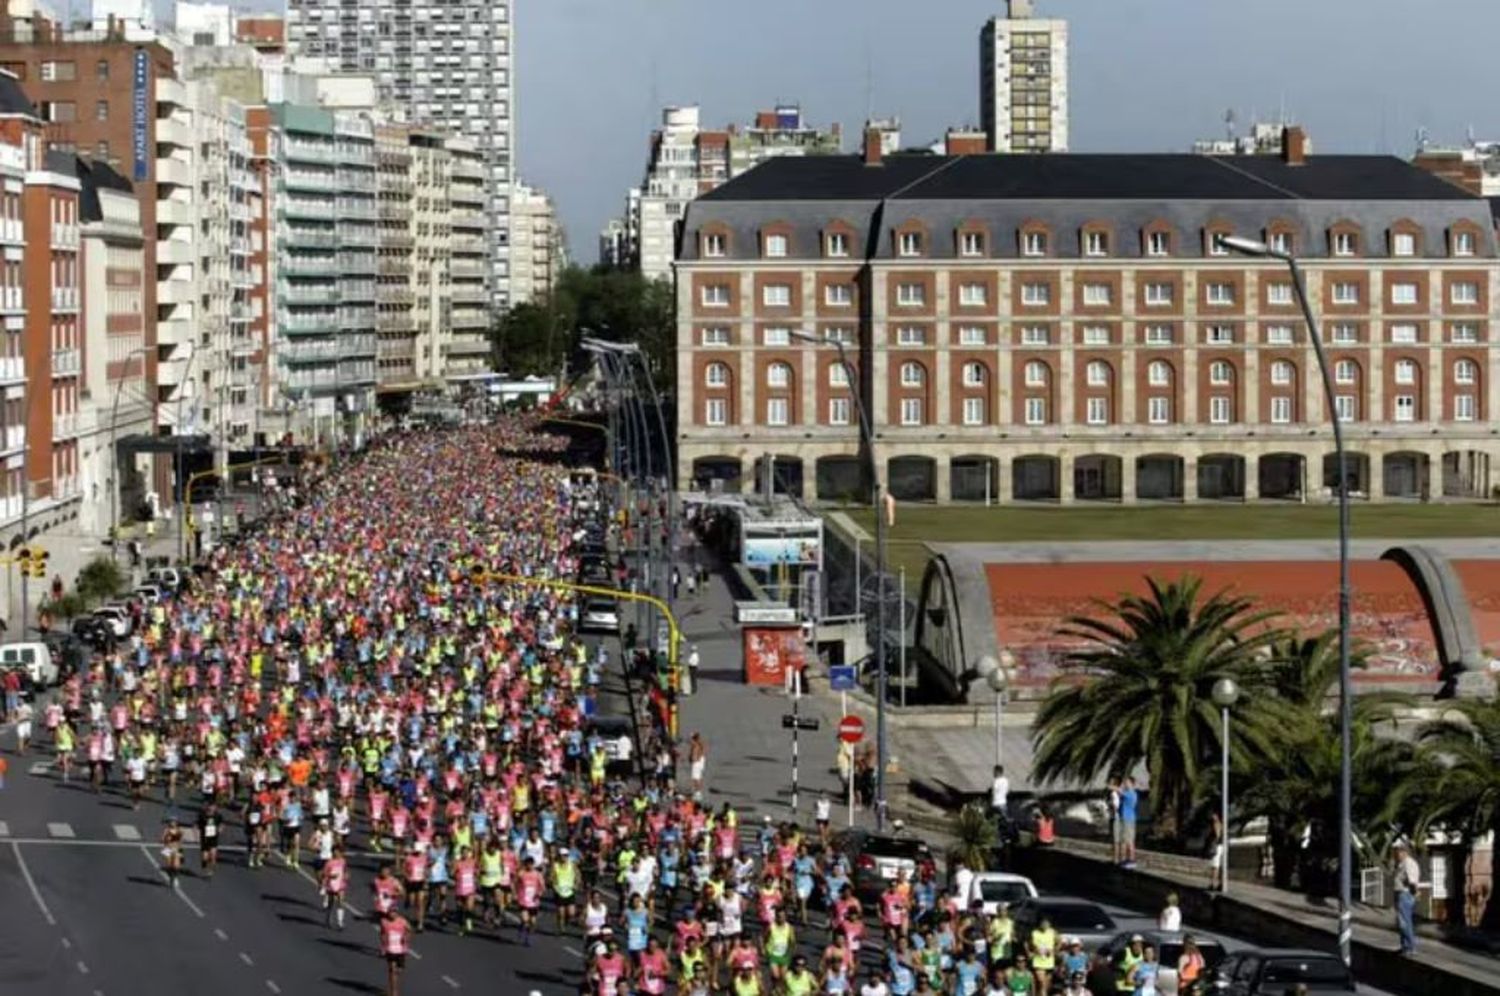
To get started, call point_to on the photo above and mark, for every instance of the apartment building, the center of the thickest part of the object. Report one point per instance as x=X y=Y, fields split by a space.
x=118 y=403
x=465 y=347
x=448 y=65
x=1068 y=328
x=687 y=161
x=1023 y=81
x=433 y=244
x=20 y=147
x=537 y=255
x=395 y=317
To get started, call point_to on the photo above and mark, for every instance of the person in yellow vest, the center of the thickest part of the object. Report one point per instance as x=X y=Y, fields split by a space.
x=1043 y=947
x=1132 y=956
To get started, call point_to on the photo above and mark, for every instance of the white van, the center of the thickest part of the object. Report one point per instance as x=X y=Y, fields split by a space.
x=36 y=658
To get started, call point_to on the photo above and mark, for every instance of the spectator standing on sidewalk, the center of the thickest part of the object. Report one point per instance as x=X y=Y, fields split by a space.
x=1408 y=875
x=1129 y=801
x=697 y=762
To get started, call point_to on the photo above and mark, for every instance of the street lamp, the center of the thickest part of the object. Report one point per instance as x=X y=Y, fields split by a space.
x=1250 y=247
x=1225 y=693
x=114 y=456
x=868 y=440
x=997 y=676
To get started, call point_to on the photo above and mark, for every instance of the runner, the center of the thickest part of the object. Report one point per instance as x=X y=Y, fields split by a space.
x=394 y=944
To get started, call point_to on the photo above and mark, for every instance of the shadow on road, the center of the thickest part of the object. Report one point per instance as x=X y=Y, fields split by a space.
x=355 y=985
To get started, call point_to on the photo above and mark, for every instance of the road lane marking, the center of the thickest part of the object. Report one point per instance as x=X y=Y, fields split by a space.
x=573 y=951
x=4 y=829
x=67 y=944
x=271 y=985
x=452 y=982
x=126 y=831
x=64 y=830
x=83 y=969
x=40 y=767
x=176 y=888
x=219 y=933
x=31 y=884
x=246 y=958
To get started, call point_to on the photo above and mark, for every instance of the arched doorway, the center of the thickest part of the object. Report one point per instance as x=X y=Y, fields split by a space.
x=1036 y=478
x=1158 y=477
x=912 y=478
x=720 y=474
x=785 y=473
x=841 y=478
x=1282 y=476
x=1358 y=473
x=1097 y=477
x=1404 y=475
x=1221 y=477
x=974 y=478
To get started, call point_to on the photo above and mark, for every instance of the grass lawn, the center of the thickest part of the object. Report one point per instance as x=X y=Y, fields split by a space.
x=920 y=524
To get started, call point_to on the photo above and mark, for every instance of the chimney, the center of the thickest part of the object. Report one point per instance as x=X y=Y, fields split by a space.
x=873 y=147
x=1294 y=145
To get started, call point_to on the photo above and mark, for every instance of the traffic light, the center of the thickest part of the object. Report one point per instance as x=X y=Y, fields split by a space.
x=39 y=563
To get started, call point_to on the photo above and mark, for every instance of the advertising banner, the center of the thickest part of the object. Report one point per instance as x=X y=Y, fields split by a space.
x=770 y=651
x=141 y=106
x=773 y=551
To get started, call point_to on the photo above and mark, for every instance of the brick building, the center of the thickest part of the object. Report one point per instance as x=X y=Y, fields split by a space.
x=1067 y=327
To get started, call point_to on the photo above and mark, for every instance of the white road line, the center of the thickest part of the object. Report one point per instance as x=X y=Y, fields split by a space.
x=271 y=985
x=40 y=767
x=573 y=951
x=4 y=829
x=67 y=944
x=168 y=879
x=126 y=831
x=82 y=968
x=219 y=933
x=64 y=830
x=31 y=884
x=246 y=958
x=452 y=982
x=414 y=953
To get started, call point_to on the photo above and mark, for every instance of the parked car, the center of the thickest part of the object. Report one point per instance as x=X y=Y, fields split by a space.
x=168 y=578
x=150 y=594
x=600 y=615
x=619 y=745
x=1104 y=976
x=35 y=658
x=94 y=632
x=993 y=888
x=1277 y=971
x=1069 y=917
x=875 y=858
x=117 y=618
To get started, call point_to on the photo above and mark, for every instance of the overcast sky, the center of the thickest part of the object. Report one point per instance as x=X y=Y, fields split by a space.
x=1146 y=75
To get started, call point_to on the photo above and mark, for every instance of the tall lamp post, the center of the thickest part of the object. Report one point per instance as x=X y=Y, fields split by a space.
x=114 y=457
x=997 y=676
x=867 y=438
x=1225 y=693
x=1250 y=247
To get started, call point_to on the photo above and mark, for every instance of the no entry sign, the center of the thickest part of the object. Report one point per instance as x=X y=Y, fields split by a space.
x=851 y=729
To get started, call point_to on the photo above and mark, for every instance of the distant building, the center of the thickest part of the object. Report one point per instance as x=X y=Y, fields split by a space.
x=1263 y=139
x=537 y=256
x=614 y=245
x=1023 y=81
x=1474 y=167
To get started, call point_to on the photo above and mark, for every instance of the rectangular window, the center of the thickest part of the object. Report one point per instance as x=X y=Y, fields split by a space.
x=1095 y=244
x=1403 y=244
x=838 y=295
x=911 y=335
x=971 y=244
x=972 y=335
x=1096 y=335
x=777 y=336
x=778 y=411
x=63 y=111
x=1218 y=410
x=838 y=411
x=1221 y=294
x=1280 y=242
x=973 y=411
x=1463 y=243
x=1463 y=332
x=716 y=411
x=776 y=295
x=1347 y=407
x=909 y=244
x=1158 y=244
x=1281 y=409
x=716 y=295
x=1036 y=295
x=59 y=72
x=1036 y=411
x=973 y=375
x=776 y=246
x=716 y=336
x=1219 y=335
x=1344 y=333
x=1279 y=294
x=1158 y=410
x=1158 y=335
x=1463 y=407
x=1216 y=246
x=1158 y=295
x=715 y=245
x=911 y=295
x=1096 y=412
x=1281 y=373
x=911 y=411
x=973 y=295
x=1406 y=408
x=1344 y=244
x=778 y=375
x=101 y=110
x=1279 y=335
x=838 y=375
x=838 y=244
x=1403 y=292
x=1464 y=292
x=1034 y=244
x=1345 y=292
x=1096 y=295
x=1034 y=335
x=839 y=333
x=1403 y=333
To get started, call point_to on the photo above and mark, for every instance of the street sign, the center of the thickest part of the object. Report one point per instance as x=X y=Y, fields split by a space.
x=764 y=612
x=793 y=722
x=842 y=678
x=851 y=729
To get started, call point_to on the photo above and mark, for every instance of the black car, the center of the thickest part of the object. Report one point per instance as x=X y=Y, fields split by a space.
x=876 y=859
x=1069 y=917
x=1278 y=971
x=93 y=632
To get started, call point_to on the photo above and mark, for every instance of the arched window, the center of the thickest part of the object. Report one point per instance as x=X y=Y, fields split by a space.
x=912 y=374
x=716 y=375
x=1465 y=372
x=1281 y=373
x=779 y=375
x=1097 y=373
x=1345 y=372
x=974 y=374
x=1406 y=372
x=1159 y=373
x=1036 y=374
x=1220 y=372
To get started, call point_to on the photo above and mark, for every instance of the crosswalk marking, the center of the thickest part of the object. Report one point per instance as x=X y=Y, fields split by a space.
x=40 y=767
x=61 y=830
x=4 y=829
x=124 y=831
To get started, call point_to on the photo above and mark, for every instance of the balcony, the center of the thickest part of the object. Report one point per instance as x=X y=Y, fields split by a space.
x=467 y=268
x=299 y=207
x=320 y=382
x=357 y=262
x=174 y=172
x=394 y=294
x=319 y=324
x=171 y=131
x=323 y=238
x=469 y=295
x=466 y=244
x=358 y=345
x=362 y=180
x=357 y=291
x=66 y=362
x=12 y=370
x=65 y=299
x=358 y=237
x=13 y=439
x=356 y=318
x=174 y=252
x=355 y=207
x=301 y=295
x=307 y=180
x=173 y=212
x=65 y=426
x=170 y=91
x=175 y=292
x=309 y=266
x=399 y=321
x=310 y=352
x=65 y=236
x=400 y=240
x=309 y=152
x=469 y=319
x=170 y=373
x=468 y=219
x=174 y=331
x=11 y=299
x=12 y=231
x=390 y=266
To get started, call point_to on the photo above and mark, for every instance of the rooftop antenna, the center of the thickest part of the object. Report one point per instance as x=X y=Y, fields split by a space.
x=1469 y=135
x=869 y=80
x=1229 y=123
x=1421 y=138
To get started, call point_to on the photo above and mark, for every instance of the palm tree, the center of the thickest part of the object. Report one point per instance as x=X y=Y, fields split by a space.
x=1149 y=665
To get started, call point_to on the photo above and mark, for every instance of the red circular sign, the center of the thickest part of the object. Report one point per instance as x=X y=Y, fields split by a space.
x=851 y=729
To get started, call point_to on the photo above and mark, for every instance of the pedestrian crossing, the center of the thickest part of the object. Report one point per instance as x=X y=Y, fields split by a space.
x=121 y=833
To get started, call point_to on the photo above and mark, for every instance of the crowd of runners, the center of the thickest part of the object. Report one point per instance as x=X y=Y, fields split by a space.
x=347 y=690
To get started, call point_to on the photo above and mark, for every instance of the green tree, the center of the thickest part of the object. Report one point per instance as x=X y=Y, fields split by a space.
x=974 y=836
x=1140 y=692
x=101 y=579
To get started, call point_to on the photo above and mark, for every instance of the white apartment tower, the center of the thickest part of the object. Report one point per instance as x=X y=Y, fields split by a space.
x=1023 y=81
x=447 y=65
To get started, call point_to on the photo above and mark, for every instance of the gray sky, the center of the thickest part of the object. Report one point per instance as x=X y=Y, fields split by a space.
x=1146 y=75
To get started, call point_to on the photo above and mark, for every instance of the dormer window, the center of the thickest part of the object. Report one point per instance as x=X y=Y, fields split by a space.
x=1095 y=244
x=1463 y=243
x=971 y=244
x=776 y=246
x=837 y=244
x=1345 y=244
x=1158 y=244
x=715 y=245
x=1280 y=242
x=1033 y=243
x=909 y=244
